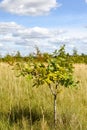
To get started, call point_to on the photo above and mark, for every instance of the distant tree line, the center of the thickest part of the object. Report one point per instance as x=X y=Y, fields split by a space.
x=42 y=57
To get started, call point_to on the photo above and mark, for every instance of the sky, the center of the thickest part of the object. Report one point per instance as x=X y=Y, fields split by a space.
x=48 y=25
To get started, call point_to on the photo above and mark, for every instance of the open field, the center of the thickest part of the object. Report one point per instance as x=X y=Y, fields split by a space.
x=25 y=108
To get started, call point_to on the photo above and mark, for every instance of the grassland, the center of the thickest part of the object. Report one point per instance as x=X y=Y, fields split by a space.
x=23 y=107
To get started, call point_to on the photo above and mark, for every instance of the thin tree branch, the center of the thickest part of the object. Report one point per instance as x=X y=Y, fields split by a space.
x=51 y=89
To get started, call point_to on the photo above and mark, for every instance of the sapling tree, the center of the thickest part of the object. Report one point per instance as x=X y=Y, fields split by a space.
x=55 y=72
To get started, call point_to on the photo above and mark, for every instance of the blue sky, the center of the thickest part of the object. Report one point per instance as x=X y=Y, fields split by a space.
x=47 y=24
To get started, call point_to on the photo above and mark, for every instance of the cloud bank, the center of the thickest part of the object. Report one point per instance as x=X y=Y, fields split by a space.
x=29 y=7
x=14 y=37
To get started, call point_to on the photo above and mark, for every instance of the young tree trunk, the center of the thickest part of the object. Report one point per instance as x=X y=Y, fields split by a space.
x=55 y=111
x=54 y=105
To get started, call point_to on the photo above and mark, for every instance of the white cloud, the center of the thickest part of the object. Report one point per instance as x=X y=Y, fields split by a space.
x=15 y=37
x=1 y=45
x=29 y=7
x=86 y=1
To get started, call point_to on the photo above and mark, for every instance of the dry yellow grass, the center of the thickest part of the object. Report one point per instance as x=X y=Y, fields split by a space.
x=20 y=103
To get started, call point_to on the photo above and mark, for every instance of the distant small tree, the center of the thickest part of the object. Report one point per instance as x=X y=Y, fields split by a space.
x=55 y=72
x=17 y=56
x=75 y=53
